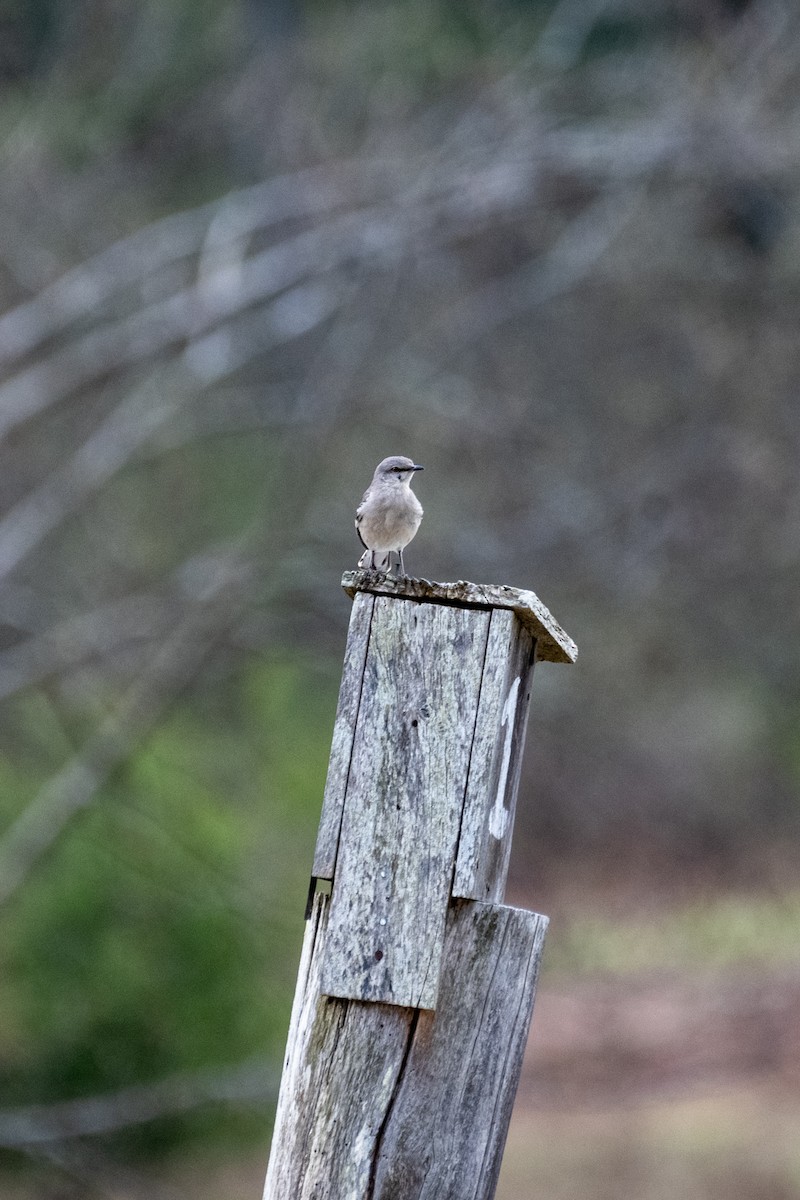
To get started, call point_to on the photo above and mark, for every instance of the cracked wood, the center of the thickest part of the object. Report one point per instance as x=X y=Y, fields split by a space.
x=406 y=782
x=380 y=1102
x=342 y=742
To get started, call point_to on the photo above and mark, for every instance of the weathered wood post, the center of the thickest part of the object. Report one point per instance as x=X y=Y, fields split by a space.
x=416 y=984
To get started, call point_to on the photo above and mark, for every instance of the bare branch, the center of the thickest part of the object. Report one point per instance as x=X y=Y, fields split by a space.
x=160 y=244
x=191 y=313
x=75 y=786
x=141 y=618
x=253 y=1081
x=112 y=444
x=437 y=206
x=136 y=419
x=568 y=261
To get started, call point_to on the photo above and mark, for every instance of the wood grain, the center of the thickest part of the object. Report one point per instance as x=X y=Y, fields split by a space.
x=342 y=742
x=405 y=791
x=552 y=643
x=445 y=1133
x=484 y=844
x=379 y=1102
x=340 y=1072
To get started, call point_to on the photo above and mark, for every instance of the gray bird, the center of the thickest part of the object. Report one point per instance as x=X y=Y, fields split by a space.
x=389 y=513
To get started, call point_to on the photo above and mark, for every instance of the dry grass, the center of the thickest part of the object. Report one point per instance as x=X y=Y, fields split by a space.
x=737 y=1144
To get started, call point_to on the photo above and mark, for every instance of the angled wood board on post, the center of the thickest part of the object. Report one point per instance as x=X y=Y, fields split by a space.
x=415 y=977
x=554 y=645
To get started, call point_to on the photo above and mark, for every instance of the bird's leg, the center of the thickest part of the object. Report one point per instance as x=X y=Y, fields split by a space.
x=402 y=568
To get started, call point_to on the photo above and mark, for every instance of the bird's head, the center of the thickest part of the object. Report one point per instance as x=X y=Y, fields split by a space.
x=397 y=468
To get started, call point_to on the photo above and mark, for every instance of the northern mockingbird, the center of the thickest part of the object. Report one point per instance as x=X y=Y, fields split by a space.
x=389 y=513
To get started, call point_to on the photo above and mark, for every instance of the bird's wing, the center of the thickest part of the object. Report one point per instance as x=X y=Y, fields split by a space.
x=359 y=515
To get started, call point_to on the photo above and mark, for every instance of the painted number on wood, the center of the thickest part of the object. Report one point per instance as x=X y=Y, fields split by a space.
x=498 y=817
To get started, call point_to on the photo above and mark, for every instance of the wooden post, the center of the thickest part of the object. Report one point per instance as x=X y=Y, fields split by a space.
x=416 y=984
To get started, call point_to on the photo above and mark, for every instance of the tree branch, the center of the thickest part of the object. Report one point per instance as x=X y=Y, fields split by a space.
x=250 y=1082
x=76 y=784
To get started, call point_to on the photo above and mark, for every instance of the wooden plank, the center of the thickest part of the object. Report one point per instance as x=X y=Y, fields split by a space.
x=487 y=825
x=447 y=1127
x=343 y=731
x=552 y=643
x=405 y=793
x=379 y=1102
x=342 y=1064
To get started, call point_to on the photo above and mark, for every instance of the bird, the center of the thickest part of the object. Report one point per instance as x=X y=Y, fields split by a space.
x=389 y=513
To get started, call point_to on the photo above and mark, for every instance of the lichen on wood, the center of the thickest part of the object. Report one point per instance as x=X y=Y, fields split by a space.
x=406 y=782
x=380 y=1102
x=552 y=643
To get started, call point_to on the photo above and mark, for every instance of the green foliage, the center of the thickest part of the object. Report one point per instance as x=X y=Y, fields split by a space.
x=414 y=48
x=162 y=933
x=105 y=75
x=215 y=489
x=89 y=79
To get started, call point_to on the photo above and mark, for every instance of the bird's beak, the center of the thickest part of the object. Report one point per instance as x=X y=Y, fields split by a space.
x=417 y=468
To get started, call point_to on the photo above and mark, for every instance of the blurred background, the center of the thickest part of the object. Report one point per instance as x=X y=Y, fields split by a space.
x=549 y=248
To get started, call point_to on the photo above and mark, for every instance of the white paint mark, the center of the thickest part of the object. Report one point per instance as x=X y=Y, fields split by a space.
x=498 y=817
